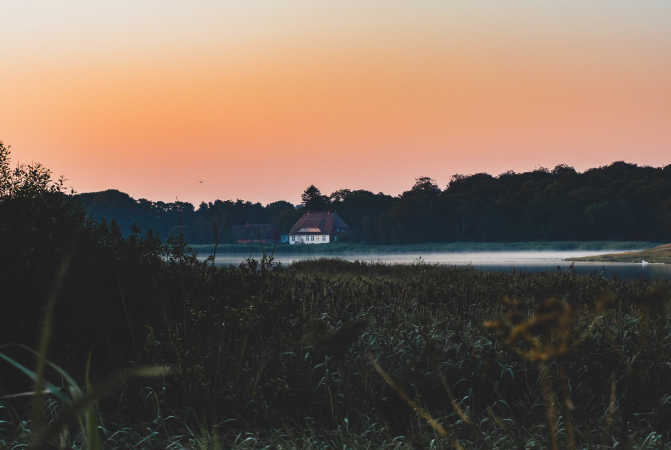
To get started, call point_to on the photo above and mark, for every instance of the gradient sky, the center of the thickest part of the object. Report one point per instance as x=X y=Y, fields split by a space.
x=258 y=99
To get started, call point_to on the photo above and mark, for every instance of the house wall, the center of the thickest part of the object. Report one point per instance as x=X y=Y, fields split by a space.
x=309 y=239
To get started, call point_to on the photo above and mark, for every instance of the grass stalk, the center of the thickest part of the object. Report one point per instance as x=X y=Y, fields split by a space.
x=45 y=336
x=421 y=412
x=548 y=399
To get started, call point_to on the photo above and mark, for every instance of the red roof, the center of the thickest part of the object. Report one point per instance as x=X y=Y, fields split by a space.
x=319 y=223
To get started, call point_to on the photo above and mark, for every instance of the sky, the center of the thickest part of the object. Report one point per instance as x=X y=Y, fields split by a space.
x=256 y=100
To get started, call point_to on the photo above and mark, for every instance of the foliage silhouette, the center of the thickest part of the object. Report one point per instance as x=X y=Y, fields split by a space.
x=616 y=202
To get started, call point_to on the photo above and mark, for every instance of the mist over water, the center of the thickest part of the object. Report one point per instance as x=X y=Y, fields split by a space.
x=525 y=261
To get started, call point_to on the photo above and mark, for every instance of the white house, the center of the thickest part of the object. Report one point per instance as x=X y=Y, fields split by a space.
x=317 y=228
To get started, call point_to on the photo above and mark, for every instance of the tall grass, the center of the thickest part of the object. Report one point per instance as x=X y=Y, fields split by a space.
x=264 y=356
x=76 y=405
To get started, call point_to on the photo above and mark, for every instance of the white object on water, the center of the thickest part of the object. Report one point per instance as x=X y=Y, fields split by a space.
x=644 y=262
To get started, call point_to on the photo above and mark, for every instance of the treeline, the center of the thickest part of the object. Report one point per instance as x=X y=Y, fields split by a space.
x=121 y=211
x=617 y=202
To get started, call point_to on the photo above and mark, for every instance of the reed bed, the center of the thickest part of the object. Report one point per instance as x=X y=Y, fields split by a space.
x=264 y=356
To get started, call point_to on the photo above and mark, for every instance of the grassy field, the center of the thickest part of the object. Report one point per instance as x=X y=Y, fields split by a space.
x=658 y=254
x=331 y=354
x=339 y=248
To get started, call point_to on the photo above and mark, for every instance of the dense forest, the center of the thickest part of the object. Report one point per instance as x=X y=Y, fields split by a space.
x=620 y=201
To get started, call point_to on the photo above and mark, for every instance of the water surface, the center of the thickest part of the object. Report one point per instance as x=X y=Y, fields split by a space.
x=528 y=261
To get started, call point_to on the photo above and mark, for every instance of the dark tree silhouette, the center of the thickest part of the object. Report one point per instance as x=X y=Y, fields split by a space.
x=313 y=200
x=426 y=184
x=617 y=202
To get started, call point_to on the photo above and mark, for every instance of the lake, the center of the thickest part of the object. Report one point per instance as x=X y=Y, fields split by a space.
x=527 y=261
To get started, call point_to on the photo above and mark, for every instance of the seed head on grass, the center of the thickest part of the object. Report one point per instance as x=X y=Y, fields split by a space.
x=548 y=334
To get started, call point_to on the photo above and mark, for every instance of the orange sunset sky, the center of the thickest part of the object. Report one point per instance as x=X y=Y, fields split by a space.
x=260 y=99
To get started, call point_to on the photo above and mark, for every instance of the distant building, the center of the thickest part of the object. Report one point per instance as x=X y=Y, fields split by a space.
x=254 y=233
x=317 y=228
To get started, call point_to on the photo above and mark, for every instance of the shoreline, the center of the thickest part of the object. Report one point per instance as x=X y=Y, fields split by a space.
x=660 y=254
x=341 y=248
